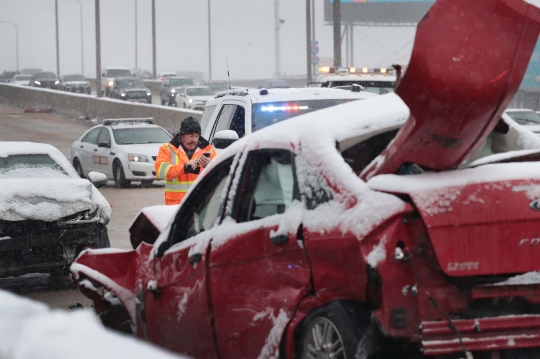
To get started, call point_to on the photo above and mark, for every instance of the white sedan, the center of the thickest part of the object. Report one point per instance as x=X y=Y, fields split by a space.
x=123 y=149
x=194 y=97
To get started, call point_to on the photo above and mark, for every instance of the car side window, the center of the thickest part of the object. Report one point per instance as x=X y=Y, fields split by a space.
x=92 y=137
x=206 y=116
x=313 y=188
x=268 y=185
x=105 y=136
x=238 y=122
x=224 y=119
x=203 y=207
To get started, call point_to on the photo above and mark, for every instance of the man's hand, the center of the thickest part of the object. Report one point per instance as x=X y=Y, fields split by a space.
x=204 y=161
x=193 y=163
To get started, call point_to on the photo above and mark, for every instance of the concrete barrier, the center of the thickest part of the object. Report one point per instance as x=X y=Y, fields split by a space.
x=91 y=106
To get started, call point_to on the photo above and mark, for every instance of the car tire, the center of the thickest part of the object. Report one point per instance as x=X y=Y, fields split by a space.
x=100 y=236
x=338 y=321
x=147 y=183
x=119 y=176
x=78 y=168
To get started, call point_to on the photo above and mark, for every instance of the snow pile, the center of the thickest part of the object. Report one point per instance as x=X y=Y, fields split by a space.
x=529 y=278
x=30 y=330
x=378 y=254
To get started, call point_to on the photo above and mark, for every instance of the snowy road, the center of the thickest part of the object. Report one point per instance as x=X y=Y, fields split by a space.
x=60 y=131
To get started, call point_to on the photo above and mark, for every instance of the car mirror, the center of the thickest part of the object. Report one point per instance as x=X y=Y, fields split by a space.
x=104 y=144
x=224 y=139
x=98 y=179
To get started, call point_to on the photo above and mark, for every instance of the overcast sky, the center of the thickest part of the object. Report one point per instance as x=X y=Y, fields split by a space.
x=242 y=33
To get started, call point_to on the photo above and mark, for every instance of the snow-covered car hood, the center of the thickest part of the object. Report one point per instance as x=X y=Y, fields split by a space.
x=50 y=199
x=147 y=149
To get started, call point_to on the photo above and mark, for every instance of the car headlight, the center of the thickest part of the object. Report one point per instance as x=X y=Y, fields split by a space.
x=56 y=82
x=190 y=100
x=173 y=91
x=122 y=94
x=148 y=93
x=110 y=83
x=37 y=82
x=133 y=157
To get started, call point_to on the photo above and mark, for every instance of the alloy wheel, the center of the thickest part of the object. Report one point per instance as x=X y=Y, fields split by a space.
x=323 y=341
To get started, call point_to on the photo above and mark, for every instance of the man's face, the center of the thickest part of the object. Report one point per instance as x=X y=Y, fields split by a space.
x=190 y=140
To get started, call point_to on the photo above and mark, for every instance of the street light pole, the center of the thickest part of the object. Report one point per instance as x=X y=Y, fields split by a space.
x=16 y=40
x=82 y=36
x=57 y=39
x=337 y=32
x=209 y=45
x=154 y=38
x=98 y=50
x=136 y=42
x=308 y=40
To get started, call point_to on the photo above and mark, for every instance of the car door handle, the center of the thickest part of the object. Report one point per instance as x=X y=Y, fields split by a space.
x=280 y=239
x=82 y=146
x=112 y=153
x=195 y=258
x=95 y=149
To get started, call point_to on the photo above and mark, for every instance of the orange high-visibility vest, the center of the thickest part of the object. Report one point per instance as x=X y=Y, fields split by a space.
x=169 y=166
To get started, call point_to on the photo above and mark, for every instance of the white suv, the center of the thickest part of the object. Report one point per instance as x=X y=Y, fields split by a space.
x=235 y=113
x=123 y=149
x=108 y=76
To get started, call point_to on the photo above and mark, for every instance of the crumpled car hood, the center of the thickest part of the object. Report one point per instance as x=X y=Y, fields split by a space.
x=467 y=64
x=45 y=199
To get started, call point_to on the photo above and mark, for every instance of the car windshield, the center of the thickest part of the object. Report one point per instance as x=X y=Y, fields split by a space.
x=74 y=78
x=200 y=91
x=180 y=82
x=10 y=74
x=45 y=75
x=524 y=117
x=266 y=114
x=131 y=136
x=131 y=83
x=30 y=166
x=377 y=87
x=118 y=73
x=221 y=86
x=22 y=77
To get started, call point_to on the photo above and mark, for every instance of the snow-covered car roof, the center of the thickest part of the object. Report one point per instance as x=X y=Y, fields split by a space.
x=11 y=148
x=518 y=110
x=359 y=77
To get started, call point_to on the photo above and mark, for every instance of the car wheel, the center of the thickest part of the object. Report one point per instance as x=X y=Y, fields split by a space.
x=332 y=331
x=147 y=183
x=100 y=236
x=119 y=177
x=78 y=168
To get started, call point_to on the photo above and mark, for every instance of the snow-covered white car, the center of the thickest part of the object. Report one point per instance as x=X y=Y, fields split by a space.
x=108 y=76
x=74 y=83
x=194 y=97
x=123 y=149
x=48 y=214
x=22 y=80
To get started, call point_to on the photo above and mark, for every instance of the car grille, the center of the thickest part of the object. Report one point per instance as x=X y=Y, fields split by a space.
x=136 y=94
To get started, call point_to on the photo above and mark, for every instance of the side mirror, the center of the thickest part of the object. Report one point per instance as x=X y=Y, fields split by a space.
x=104 y=144
x=224 y=139
x=98 y=179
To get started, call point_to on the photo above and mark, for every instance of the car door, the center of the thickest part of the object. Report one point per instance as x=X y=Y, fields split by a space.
x=258 y=271
x=88 y=149
x=177 y=311
x=105 y=153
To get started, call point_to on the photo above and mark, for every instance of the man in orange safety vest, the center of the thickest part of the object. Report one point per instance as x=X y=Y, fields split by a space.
x=179 y=162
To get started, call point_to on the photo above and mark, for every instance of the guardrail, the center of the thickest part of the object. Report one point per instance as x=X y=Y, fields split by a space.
x=91 y=106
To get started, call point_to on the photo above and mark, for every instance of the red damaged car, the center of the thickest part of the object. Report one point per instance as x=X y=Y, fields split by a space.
x=355 y=232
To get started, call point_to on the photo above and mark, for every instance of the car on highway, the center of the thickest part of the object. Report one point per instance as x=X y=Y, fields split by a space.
x=146 y=75
x=123 y=149
x=276 y=84
x=193 y=97
x=166 y=75
x=130 y=89
x=170 y=87
x=48 y=215
x=22 y=80
x=236 y=113
x=108 y=76
x=7 y=76
x=525 y=117
x=74 y=83
x=217 y=86
x=45 y=79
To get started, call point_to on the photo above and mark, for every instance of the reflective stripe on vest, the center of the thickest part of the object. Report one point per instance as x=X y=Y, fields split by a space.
x=177 y=187
x=174 y=157
x=164 y=168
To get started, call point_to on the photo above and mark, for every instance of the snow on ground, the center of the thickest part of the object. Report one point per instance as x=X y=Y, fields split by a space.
x=31 y=330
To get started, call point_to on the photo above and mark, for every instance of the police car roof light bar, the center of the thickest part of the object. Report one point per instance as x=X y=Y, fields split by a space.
x=116 y=121
x=233 y=92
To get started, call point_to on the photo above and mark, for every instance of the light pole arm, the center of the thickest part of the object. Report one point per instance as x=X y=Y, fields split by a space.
x=16 y=39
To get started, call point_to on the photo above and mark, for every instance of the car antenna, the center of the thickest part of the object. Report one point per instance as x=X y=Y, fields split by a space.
x=228 y=75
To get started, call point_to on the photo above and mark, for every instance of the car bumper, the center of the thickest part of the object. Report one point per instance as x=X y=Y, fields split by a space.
x=55 y=249
x=138 y=171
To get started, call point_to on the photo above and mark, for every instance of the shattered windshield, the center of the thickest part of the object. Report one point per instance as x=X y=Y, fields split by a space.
x=34 y=166
x=269 y=113
x=132 y=136
x=524 y=117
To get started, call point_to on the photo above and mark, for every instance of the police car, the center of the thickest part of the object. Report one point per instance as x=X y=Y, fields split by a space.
x=236 y=113
x=123 y=149
x=375 y=80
